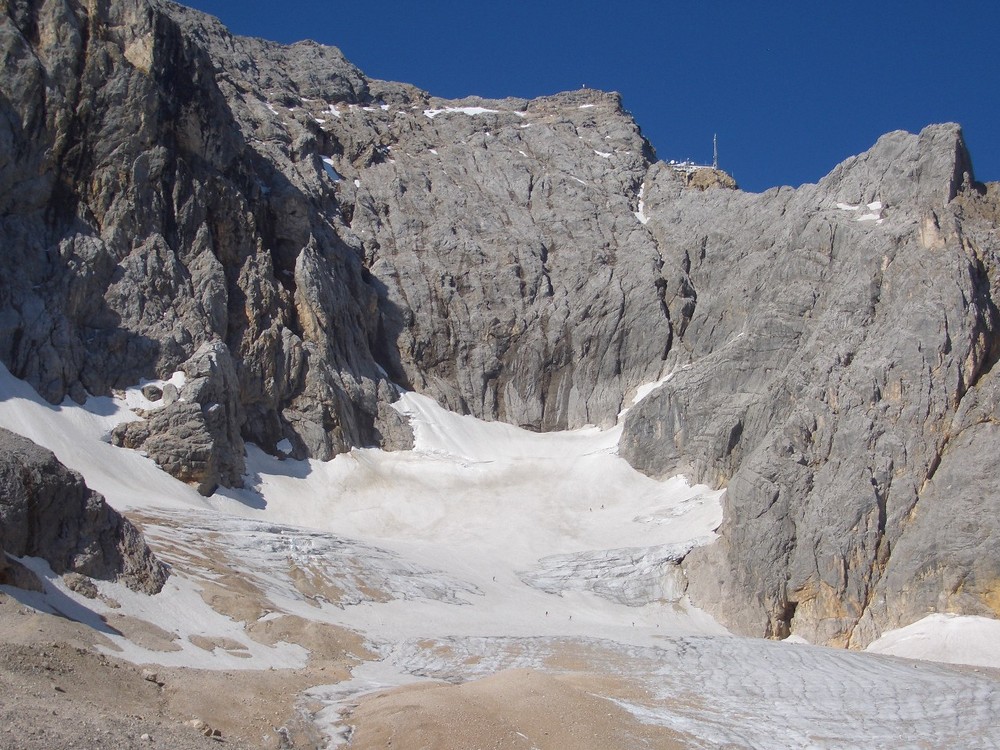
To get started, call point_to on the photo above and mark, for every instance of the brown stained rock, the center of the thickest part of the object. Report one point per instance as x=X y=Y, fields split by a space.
x=707 y=178
x=82 y=585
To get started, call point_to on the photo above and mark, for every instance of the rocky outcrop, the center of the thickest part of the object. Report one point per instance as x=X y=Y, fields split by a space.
x=196 y=438
x=47 y=511
x=835 y=342
x=709 y=178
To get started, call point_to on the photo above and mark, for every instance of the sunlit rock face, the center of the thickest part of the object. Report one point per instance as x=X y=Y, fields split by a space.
x=172 y=190
x=173 y=186
x=835 y=372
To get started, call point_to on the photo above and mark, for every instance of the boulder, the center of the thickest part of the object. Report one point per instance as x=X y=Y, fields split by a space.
x=47 y=511
x=196 y=438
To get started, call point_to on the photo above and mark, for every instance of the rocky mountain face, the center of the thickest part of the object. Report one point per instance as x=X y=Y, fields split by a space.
x=174 y=186
x=48 y=511
x=835 y=372
x=300 y=239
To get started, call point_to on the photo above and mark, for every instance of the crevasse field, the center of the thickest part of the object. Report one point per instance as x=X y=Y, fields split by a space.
x=487 y=548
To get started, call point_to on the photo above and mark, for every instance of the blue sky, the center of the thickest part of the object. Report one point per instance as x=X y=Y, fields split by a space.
x=791 y=88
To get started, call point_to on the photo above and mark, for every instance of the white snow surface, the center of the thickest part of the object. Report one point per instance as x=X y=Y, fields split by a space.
x=78 y=437
x=865 y=212
x=471 y=111
x=640 y=213
x=330 y=169
x=488 y=547
x=945 y=638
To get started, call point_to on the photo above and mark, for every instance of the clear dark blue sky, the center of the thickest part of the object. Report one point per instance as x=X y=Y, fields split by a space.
x=792 y=88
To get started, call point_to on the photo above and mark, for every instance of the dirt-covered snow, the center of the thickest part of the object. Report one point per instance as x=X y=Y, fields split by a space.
x=515 y=587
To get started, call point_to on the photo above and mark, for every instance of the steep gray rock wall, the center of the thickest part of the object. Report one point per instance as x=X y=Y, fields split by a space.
x=153 y=204
x=47 y=511
x=833 y=341
x=172 y=186
x=515 y=281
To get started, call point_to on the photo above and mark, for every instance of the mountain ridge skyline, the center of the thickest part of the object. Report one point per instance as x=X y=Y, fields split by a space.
x=790 y=92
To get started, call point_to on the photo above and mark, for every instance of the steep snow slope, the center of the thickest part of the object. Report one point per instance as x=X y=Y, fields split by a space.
x=485 y=548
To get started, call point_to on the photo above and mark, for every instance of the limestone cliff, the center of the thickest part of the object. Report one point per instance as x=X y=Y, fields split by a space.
x=173 y=186
x=153 y=203
x=836 y=357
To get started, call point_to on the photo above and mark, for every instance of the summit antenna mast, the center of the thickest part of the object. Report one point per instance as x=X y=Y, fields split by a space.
x=715 y=151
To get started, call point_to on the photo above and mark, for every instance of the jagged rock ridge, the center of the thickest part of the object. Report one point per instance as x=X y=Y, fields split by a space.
x=297 y=237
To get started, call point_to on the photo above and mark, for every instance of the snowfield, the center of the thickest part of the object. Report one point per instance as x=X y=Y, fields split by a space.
x=489 y=548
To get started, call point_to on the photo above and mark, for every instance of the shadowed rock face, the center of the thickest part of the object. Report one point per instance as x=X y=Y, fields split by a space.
x=47 y=511
x=297 y=237
x=153 y=204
